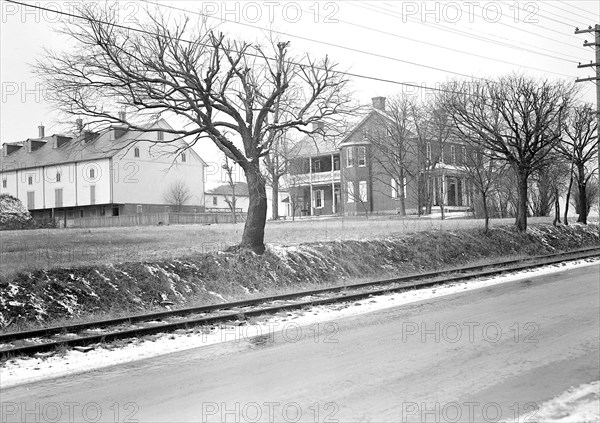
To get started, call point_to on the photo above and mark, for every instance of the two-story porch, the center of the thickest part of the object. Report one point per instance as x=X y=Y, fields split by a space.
x=315 y=186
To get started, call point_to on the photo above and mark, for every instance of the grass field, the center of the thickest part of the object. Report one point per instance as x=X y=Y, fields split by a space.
x=50 y=248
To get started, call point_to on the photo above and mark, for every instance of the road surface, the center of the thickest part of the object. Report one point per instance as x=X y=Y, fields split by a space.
x=482 y=355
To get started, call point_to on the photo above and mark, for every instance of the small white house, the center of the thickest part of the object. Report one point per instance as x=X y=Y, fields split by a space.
x=221 y=198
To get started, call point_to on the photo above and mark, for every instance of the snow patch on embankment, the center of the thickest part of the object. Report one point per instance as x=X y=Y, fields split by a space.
x=44 y=296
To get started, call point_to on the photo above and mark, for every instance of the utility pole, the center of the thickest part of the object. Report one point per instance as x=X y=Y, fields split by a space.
x=596 y=79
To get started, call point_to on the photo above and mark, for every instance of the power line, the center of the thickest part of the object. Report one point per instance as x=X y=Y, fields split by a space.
x=523 y=30
x=565 y=10
x=494 y=40
x=287 y=34
x=356 y=75
x=576 y=7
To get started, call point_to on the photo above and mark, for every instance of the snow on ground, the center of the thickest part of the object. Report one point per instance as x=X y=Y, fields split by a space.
x=25 y=370
x=576 y=405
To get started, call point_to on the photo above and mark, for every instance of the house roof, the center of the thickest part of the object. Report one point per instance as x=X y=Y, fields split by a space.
x=241 y=190
x=372 y=112
x=87 y=146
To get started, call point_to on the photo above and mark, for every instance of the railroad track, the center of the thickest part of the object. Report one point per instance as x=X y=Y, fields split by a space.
x=82 y=334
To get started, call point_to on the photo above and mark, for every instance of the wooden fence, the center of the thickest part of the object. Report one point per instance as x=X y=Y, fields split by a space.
x=150 y=219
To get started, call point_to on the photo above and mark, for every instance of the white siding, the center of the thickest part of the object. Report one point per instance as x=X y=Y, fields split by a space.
x=146 y=179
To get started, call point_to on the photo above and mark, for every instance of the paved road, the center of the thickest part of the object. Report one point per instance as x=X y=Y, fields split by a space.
x=478 y=355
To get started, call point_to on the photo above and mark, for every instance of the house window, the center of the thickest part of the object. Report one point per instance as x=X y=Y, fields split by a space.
x=318 y=166
x=336 y=163
x=441 y=156
x=136 y=152
x=30 y=180
x=215 y=201
x=183 y=158
x=362 y=156
x=464 y=154
x=396 y=188
x=92 y=194
x=4 y=183
x=139 y=208
x=30 y=200
x=350 y=157
x=452 y=154
x=428 y=151
x=92 y=173
x=58 y=197
x=160 y=135
x=318 y=198
x=350 y=191
x=58 y=176
x=362 y=191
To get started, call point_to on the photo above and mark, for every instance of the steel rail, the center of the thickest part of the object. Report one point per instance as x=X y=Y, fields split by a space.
x=506 y=266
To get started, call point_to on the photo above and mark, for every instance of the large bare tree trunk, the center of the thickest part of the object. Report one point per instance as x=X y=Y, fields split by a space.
x=581 y=187
x=556 y=208
x=254 y=229
x=521 y=221
x=486 y=214
x=565 y=220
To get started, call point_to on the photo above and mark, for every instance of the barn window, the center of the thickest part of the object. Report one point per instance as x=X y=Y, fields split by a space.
x=4 y=183
x=58 y=197
x=160 y=135
x=136 y=152
x=30 y=180
x=215 y=201
x=92 y=173
x=139 y=208
x=183 y=157
x=58 y=176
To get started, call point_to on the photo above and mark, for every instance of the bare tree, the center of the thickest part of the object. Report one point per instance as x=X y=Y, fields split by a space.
x=516 y=118
x=231 y=199
x=395 y=148
x=484 y=173
x=276 y=166
x=223 y=90
x=579 y=147
x=434 y=128
x=177 y=195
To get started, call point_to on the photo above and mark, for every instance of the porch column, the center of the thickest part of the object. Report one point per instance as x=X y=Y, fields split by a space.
x=456 y=191
x=332 y=187
x=310 y=201
x=444 y=189
x=333 y=210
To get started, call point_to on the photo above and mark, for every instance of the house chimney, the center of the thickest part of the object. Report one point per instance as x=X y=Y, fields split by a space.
x=79 y=123
x=122 y=115
x=318 y=125
x=378 y=103
x=41 y=131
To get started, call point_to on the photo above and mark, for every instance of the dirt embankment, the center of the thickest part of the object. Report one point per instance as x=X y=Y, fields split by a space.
x=57 y=294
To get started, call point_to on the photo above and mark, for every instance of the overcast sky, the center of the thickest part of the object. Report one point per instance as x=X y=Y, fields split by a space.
x=423 y=43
